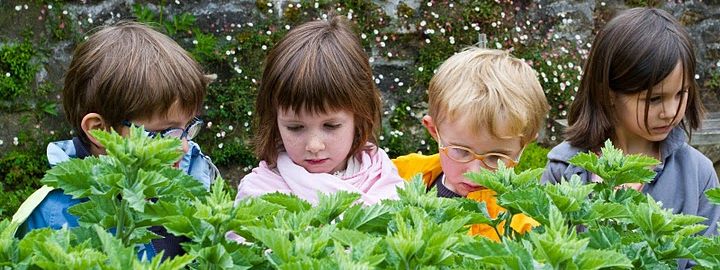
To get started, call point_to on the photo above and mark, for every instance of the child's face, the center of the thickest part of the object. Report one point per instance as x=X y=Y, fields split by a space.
x=667 y=97
x=319 y=142
x=458 y=133
x=175 y=118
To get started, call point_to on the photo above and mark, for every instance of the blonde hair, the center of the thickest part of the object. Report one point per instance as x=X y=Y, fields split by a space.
x=493 y=88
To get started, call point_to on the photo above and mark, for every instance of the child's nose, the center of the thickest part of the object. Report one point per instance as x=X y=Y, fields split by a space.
x=315 y=144
x=476 y=165
x=669 y=110
x=185 y=145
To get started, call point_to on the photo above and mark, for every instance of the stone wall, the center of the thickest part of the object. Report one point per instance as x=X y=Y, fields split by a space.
x=577 y=21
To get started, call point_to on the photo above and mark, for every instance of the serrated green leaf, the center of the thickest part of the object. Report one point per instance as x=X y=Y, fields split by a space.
x=290 y=202
x=691 y=229
x=119 y=256
x=598 y=259
x=74 y=177
x=603 y=238
x=616 y=169
x=491 y=180
x=330 y=206
x=532 y=202
x=713 y=195
x=278 y=242
x=608 y=211
x=508 y=255
x=213 y=257
x=135 y=197
x=373 y=218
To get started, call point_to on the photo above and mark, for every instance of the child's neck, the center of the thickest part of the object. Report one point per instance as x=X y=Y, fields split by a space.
x=637 y=145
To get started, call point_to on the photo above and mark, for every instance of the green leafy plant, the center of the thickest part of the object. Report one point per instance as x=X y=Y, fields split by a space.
x=117 y=186
x=418 y=230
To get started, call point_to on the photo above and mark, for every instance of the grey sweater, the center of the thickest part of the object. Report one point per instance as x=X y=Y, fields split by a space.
x=680 y=183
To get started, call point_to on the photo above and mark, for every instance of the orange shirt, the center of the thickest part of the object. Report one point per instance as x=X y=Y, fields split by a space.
x=412 y=164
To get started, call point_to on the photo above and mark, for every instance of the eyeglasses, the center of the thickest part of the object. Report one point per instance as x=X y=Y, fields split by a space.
x=464 y=155
x=189 y=132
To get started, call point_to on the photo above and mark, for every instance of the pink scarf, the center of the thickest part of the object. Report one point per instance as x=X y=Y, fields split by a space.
x=377 y=179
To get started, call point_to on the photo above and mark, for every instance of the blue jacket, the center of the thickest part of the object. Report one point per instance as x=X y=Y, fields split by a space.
x=48 y=207
x=680 y=184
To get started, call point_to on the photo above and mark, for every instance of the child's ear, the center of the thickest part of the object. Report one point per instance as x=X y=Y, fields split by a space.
x=92 y=121
x=429 y=124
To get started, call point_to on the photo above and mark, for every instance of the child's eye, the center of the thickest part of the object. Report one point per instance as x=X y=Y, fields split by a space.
x=655 y=99
x=294 y=128
x=332 y=126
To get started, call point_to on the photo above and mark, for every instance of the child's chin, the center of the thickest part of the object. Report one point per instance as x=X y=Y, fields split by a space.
x=317 y=170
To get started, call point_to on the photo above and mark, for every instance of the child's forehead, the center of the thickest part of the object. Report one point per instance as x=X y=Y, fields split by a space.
x=175 y=115
x=467 y=127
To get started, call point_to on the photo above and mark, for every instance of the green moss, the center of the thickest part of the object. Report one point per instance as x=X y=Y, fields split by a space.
x=22 y=171
x=713 y=82
x=643 y=3
x=17 y=71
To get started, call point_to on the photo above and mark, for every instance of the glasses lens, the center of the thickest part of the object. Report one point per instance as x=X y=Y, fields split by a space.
x=194 y=130
x=492 y=160
x=459 y=154
x=173 y=133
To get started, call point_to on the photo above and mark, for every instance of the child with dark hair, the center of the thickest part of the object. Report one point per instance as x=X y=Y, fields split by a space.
x=639 y=91
x=122 y=75
x=317 y=113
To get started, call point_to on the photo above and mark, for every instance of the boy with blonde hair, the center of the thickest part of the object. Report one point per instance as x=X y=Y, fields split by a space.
x=485 y=106
x=123 y=75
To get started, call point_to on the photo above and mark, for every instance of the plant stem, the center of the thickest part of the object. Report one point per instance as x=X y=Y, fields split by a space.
x=508 y=229
x=121 y=222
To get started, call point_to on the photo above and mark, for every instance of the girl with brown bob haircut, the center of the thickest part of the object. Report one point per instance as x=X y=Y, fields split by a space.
x=638 y=90
x=317 y=113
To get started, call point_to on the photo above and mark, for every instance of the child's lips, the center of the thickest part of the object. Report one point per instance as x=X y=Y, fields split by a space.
x=471 y=186
x=316 y=161
x=663 y=129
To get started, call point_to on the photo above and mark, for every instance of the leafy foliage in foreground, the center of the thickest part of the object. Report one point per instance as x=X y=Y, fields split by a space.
x=593 y=226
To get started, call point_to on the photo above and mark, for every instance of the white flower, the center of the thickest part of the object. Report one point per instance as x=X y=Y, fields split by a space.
x=228 y=38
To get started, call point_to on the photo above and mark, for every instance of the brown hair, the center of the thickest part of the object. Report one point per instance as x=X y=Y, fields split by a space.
x=496 y=89
x=635 y=51
x=318 y=66
x=129 y=71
